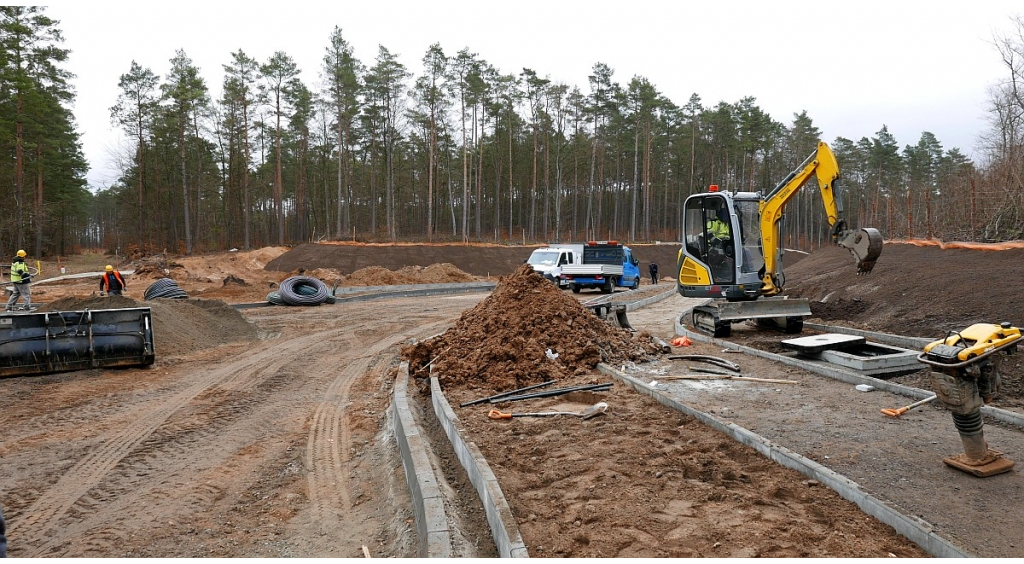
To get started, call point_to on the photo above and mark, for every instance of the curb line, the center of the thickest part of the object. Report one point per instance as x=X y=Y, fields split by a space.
x=368 y=293
x=504 y=528
x=427 y=502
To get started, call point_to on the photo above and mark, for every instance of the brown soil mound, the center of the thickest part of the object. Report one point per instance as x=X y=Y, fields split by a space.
x=179 y=326
x=376 y=276
x=502 y=343
x=329 y=276
x=486 y=261
x=443 y=273
x=379 y=276
x=922 y=291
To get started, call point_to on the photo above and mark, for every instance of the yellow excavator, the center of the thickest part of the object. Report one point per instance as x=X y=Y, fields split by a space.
x=732 y=249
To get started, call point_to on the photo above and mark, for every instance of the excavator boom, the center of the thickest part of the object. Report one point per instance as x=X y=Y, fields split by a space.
x=864 y=244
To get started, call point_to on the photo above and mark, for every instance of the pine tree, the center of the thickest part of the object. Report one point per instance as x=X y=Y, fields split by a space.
x=37 y=129
x=134 y=112
x=277 y=72
x=342 y=72
x=185 y=93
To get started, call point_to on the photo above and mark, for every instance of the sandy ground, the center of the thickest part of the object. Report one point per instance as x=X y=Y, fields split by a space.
x=274 y=441
x=275 y=447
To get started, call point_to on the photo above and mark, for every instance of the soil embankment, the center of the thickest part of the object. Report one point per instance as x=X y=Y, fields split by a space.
x=479 y=260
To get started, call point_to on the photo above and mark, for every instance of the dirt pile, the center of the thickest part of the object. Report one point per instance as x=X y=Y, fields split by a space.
x=921 y=291
x=444 y=273
x=210 y=269
x=508 y=340
x=482 y=260
x=180 y=327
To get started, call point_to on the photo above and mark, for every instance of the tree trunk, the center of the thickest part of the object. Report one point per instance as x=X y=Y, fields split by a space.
x=465 y=170
x=245 y=177
x=184 y=189
x=430 y=176
x=19 y=176
x=278 y=179
x=39 y=210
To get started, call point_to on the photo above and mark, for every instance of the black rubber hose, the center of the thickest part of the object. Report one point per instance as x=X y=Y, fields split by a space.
x=303 y=291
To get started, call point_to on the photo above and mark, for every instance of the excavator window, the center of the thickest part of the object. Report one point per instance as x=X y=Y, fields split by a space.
x=709 y=236
x=750 y=235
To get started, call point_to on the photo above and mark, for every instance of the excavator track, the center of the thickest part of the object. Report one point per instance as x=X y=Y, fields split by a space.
x=707 y=320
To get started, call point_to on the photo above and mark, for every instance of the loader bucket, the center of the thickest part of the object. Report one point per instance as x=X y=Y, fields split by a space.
x=60 y=341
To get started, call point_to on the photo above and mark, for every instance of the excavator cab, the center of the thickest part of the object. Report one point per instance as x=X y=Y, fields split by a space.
x=721 y=256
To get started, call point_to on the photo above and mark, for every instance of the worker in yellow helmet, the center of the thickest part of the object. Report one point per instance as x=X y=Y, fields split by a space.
x=112 y=282
x=20 y=277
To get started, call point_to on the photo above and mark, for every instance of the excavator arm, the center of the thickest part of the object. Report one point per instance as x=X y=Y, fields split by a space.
x=865 y=244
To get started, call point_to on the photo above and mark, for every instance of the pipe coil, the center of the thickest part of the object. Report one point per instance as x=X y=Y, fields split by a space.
x=164 y=288
x=275 y=298
x=303 y=291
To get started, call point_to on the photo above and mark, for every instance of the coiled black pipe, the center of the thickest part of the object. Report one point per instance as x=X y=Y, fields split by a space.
x=164 y=288
x=303 y=291
x=275 y=298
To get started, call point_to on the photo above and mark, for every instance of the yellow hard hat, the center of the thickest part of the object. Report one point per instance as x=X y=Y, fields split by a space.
x=109 y=268
x=22 y=254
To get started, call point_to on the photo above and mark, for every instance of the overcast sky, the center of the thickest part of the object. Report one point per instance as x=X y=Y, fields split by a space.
x=853 y=66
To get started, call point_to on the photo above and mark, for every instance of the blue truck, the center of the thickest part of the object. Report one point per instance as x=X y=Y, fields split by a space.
x=605 y=265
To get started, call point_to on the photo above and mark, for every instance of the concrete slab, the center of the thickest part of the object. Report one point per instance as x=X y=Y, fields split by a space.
x=823 y=342
x=874 y=358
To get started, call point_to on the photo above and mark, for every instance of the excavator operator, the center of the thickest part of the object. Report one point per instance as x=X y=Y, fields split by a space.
x=720 y=245
x=718 y=226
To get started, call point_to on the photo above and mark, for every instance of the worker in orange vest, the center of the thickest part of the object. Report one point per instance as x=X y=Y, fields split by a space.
x=112 y=282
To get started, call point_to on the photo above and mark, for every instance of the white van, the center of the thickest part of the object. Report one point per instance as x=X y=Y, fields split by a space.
x=548 y=261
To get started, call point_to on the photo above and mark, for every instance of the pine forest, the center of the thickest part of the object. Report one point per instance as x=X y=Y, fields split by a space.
x=455 y=150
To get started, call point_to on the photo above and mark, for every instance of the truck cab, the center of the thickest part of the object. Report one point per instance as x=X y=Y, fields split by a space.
x=548 y=261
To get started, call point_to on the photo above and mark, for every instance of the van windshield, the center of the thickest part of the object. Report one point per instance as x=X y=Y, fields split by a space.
x=543 y=258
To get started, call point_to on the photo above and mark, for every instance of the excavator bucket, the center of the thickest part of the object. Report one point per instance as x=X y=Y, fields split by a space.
x=865 y=245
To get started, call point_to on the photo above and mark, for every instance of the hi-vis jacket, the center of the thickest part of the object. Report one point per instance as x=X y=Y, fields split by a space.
x=718 y=228
x=18 y=270
x=111 y=281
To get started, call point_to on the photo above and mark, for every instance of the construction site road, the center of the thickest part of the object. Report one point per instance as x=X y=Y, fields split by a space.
x=282 y=447
x=275 y=448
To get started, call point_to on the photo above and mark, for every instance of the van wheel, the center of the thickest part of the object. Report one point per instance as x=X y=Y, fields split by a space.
x=607 y=288
x=636 y=283
x=575 y=289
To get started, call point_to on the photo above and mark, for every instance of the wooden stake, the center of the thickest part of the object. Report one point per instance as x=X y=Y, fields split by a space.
x=435 y=359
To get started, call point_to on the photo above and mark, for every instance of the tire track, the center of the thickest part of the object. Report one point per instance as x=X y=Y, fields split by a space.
x=148 y=462
x=329 y=447
x=36 y=527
